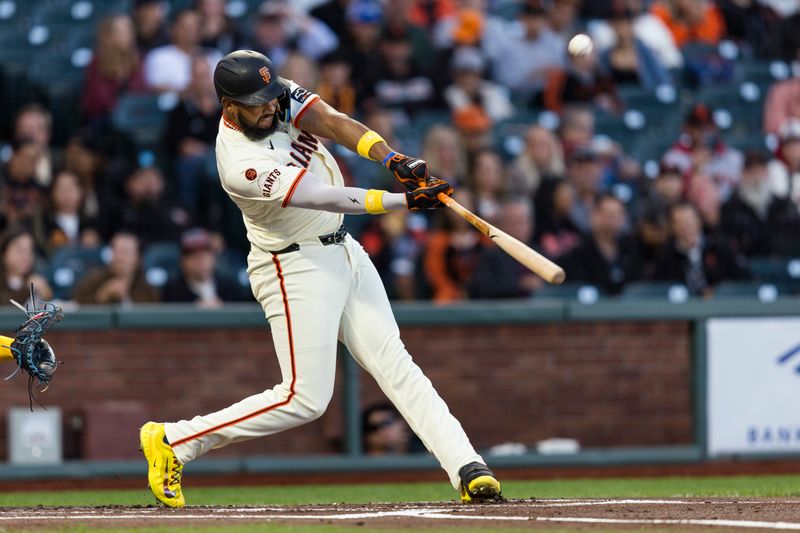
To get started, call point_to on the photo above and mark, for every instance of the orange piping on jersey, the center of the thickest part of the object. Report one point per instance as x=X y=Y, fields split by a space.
x=292 y=188
x=302 y=111
x=291 y=395
x=230 y=124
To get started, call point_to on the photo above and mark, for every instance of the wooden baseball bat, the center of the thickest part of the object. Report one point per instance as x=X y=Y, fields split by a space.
x=536 y=262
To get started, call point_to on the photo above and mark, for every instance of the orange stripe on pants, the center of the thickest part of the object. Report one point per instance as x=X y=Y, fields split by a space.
x=294 y=371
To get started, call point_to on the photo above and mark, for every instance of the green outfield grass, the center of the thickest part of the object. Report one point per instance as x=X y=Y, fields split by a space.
x=766 y=486
x=747 y=486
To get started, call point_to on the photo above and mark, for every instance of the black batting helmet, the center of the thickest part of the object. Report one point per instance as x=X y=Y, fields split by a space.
x=247 y=77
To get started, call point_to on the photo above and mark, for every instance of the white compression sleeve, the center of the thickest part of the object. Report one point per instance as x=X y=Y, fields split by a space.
x=312 y=193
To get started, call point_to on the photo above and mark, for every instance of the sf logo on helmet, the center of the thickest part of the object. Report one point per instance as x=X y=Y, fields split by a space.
x=264 y=71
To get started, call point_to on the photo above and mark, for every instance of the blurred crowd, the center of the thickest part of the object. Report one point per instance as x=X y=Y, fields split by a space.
x=438 y=79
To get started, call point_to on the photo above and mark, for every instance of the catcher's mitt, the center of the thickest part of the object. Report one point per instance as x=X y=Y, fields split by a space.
x=31 y=352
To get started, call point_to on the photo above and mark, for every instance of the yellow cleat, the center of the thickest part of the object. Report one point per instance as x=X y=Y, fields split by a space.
x=164 y=470
x=478 y=484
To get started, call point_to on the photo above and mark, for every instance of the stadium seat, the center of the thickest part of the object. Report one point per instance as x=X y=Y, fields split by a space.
x=581 y=292
x=68 y=265
x=14 y=10
x=765 y=292
x=59 y=92
x=748 y=141
x=236 y=9
x=13 y=82
x=142 y=118
x=165 y=255
x=648 y=147
x=656 y=290
x=78 y=12
x=738 y=108
x=660 y=108
x=762 y=72
x=784 y=273
x=509 y=134
x=230 y=263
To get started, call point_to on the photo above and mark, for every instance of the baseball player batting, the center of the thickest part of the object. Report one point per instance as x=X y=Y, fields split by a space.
x=315 y=282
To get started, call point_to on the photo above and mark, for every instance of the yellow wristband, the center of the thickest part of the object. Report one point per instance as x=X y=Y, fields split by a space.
x=366 y=142
x=374 y=202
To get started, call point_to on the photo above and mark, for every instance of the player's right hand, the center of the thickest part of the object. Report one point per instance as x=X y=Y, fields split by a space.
x=426 y=197
x=409 y=171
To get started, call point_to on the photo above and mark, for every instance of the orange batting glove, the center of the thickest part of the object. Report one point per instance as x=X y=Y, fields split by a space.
x=426 y=197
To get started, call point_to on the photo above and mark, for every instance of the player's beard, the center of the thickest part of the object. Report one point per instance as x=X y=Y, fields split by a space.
x=256 y=133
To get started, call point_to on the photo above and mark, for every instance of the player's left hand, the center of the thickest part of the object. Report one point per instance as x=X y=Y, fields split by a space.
x=426 y=197
x=409 y=171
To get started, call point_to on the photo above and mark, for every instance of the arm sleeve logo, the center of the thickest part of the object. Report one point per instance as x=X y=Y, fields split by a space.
x=250 y=174
x=300 y=94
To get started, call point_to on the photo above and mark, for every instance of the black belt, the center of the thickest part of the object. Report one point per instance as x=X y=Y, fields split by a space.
x=335 y=237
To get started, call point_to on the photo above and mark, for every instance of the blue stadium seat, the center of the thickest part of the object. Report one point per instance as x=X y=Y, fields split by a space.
x=68 y=265
x=656 y=290
x=648 y=147
x=764 y=292
x=141 y=117
x=784 y=273
x=56 y=83
x=576 y=291
x=762 y=72
x=161 y=261
x=15 y=11
x=660 y=109
x=230 y=263
x=509 y=134
x=744 y=141
x=738 y=108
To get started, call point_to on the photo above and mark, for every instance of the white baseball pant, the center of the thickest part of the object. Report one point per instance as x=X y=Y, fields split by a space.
x=311 y=298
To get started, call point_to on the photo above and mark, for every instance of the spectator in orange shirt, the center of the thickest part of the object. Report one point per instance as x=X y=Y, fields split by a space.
x=336 y=83
x=451 y=254
x=691 y=20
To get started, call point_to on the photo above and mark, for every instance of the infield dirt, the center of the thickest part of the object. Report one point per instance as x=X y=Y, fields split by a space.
x=700 y=514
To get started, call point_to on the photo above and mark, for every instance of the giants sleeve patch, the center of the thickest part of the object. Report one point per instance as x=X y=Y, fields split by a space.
x=269 y=181
x=300 y=94
x=250 y=174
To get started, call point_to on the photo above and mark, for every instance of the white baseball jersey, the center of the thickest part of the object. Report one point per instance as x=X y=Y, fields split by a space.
x=313 y=297
x=261 y=176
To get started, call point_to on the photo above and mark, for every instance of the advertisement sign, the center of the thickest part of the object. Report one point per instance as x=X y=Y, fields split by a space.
x=753 y=403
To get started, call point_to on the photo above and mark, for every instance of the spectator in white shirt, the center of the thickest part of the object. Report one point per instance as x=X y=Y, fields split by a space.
x=469 y=87
x=169 y=67
x=522 y=59
x=647 y=28
x=280 y=27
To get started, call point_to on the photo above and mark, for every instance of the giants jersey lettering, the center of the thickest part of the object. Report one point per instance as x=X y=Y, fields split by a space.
x=261 y=176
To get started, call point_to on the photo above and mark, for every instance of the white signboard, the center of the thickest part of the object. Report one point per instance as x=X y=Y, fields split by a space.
x=753 y=385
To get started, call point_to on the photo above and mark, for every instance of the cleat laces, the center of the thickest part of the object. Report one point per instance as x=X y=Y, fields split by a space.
x=173 y=477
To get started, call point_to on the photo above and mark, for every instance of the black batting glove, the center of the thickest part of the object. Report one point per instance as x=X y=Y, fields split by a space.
x=411 y=172
x=426 y=197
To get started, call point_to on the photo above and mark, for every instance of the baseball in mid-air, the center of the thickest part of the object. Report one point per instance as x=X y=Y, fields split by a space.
x=580 y=45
